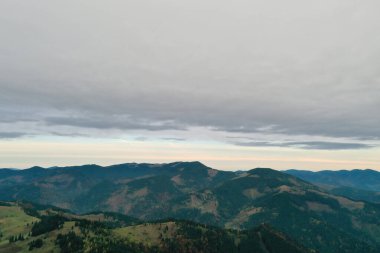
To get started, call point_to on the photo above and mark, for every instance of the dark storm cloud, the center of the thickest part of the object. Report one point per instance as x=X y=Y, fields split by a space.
x=322 y=145
x=256 y=67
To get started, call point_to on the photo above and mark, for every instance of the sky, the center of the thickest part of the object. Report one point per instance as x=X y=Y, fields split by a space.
x=234 y=84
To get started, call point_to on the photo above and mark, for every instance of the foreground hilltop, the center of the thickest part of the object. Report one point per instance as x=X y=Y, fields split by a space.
x=192 y=191
x=28 y=227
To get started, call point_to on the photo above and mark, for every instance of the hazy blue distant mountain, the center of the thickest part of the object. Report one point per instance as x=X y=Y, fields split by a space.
x=361 y=179
x=355 y=184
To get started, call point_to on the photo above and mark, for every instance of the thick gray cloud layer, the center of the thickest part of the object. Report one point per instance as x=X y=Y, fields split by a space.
x=272 y=67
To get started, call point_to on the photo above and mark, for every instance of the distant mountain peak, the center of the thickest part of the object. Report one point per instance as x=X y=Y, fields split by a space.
x=262 y=169
x=192 y=164
x=179 y=163
x=265 y=171
x=36 y=168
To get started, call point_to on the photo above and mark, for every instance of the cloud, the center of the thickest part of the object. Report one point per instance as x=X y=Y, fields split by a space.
x=311 y=71
x=55 y=133
x=11 y=135
x=141 y=138
x=173 y=139
x=321 y=145
x=108 y=122
x=330 y=145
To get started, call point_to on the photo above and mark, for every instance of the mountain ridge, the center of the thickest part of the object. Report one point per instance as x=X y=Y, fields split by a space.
x=356 y=184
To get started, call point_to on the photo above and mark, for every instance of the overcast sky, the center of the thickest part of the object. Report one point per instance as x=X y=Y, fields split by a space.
x=234 y=84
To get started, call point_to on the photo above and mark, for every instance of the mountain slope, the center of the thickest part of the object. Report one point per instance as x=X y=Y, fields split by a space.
x=92 y=187
x=319 y=219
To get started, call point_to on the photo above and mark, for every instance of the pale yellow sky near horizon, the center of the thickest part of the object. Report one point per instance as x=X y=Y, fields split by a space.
x=26 y=153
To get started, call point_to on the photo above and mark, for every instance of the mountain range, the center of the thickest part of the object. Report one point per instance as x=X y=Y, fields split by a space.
x=310 y=214
x=355 y=184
